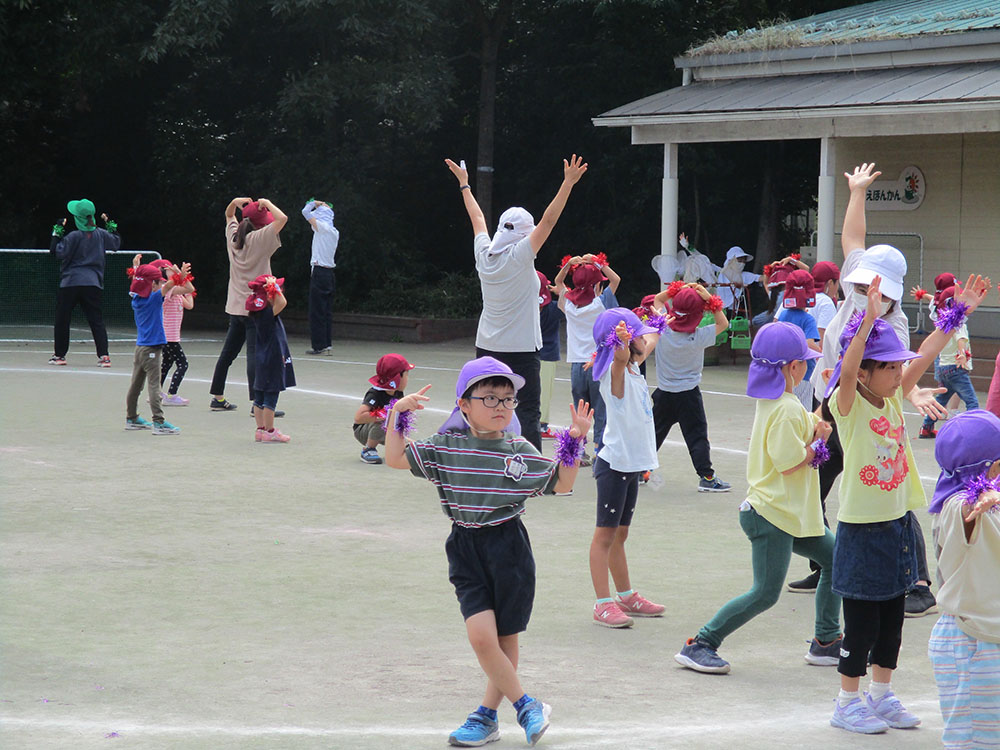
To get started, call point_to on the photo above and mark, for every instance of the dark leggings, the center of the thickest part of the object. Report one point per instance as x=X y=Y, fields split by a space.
x=874 y=628
x=173 y=355
x=89 y=298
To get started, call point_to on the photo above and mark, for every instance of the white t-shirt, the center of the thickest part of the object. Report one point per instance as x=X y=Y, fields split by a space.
x=948 y=355
x=824 y=311
x=509 y=321
x=831 y=339
x=970 y=586
x=580 y=326
x=629 y=437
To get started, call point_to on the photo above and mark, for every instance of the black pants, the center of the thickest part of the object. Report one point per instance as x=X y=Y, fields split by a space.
x=241 y=329
x=874 y=628
x=529 y=398
x=89 y=298
x=688 y=409
x=832 y=469
x=173 y=354
x=322 y=283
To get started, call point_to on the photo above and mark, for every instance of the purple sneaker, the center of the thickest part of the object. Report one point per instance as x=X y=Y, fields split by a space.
x=891 y=711
x=172 y=399
x=856 y=716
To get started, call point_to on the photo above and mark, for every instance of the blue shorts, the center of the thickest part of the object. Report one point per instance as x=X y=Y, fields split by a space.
x=617 y=493
x=266 y=399
x=492 y=568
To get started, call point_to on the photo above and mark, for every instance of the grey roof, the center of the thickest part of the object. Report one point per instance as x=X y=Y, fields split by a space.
x=959 y=84
x=886 y=19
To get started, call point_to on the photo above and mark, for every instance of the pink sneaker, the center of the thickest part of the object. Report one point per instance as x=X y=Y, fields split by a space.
x=610 y=615
x=104 y=361
x=257 y=436
x=275 y=436
x=639 y=606
x=172 y=399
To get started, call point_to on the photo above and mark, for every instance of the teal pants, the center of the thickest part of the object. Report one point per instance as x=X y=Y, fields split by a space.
x=772 y=552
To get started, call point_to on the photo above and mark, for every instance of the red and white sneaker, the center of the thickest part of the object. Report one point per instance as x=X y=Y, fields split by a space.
x=275 y=436
x=104 y=361
x=548 y=434
x=610 y=615
x=58 y=361
x=638 y=606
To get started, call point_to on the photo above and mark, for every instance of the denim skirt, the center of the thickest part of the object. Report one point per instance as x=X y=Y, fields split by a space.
x=874 y=561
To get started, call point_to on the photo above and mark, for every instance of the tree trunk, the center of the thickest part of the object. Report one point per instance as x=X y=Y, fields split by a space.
x=767 y=228
x=491 y=29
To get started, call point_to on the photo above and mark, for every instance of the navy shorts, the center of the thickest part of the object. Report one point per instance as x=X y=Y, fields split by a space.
x=492 y=568
x=266 y=400
x=617 y=493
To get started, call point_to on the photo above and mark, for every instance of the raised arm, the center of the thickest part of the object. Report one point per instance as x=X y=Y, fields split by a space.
x=572 y=172
x=581 y=418
x=721 y=321
x=307 y=212
x=853 y=234
x=471 y=205
x=280 y=219
x=613 y=278
x=233 y=205
x=560 y=280
x=856 y=350
x=395 y=443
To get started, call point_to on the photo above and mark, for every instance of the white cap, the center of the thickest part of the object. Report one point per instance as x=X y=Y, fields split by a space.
x=885 y=261
x=737 y=252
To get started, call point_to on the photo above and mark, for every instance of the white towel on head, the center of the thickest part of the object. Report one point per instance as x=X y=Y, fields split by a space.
x=515 y=224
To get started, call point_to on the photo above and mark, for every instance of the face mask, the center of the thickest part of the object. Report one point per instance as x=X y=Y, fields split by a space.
x=861 y=303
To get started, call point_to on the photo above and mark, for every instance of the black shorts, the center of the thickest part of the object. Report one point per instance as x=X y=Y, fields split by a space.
x=492 y=568
x=617 y=493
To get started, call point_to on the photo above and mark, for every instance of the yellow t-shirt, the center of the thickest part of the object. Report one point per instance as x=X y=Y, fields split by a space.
x=781 y=429
x=880 y=480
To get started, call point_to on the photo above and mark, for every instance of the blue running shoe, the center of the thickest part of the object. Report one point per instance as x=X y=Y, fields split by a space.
x=476 y=731
x=137 y=424
x=701 y=657
x=534 y=719
x=165 y=428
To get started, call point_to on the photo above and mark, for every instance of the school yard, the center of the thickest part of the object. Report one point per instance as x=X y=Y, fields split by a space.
x=204 y=591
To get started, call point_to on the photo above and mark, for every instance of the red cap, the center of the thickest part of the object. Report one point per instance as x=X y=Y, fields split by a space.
x=778 y=275
x=687 y=307
x=387 y=371
x=823 y=272
x=544 y=295
x=585 y=276
x=143 y=278
x=258 y=216
x=260 y=294
x=800 y=291
x=944 y=280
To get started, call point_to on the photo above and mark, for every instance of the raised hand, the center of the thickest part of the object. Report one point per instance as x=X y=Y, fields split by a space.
x=413 y=402
x=925 y=403
x=986 y=502
x=874 y=308
x=462 y=175
x=581 y=418
x=573 y=169
x=622 y=332
x=974 y=291
x=137 y=260
x=862 y=177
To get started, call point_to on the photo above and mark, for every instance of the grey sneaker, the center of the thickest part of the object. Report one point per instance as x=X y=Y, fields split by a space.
x=919 y=602
x=701 y=657
x=477 y=730
x=137 y=424
x=370 y=456
x=165 y=428
x=713 y=484
x=824 y=656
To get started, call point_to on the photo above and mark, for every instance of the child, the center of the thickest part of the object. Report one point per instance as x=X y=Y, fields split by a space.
x=146 y=291
x=623 y=343
x=781 y=514
x=826 y=276
x=581 y=305
x=680 y=359
x=952 y=367
x=273 y=372
x=964 y=646
x=799 y=298
x=175 y=302
x=483 y=475
x=875 y=558
x=549 y=317
x=389 y=381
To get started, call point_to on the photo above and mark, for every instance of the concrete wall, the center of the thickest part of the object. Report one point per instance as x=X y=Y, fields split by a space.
x=960 y=216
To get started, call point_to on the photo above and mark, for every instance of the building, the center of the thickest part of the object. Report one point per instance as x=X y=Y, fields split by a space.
x=913 y=85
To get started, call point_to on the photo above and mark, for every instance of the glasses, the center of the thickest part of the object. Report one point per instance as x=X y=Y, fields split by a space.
x=491 y=401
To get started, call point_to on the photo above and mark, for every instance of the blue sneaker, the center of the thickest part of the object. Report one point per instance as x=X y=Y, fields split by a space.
x=137 y=424
x=701 y=657
x=713 y=484
x=476 y=731
x=534 y=719
x=165 y=428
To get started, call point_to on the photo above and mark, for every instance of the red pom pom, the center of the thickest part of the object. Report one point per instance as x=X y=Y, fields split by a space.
x=768 y=269
x=920 y=294
x=796 y=256
x=674 y=287
x=714 y=303
x=193 y=294
x=600 y=260
x=130 y=272
x=178 y=279
x=565 y=261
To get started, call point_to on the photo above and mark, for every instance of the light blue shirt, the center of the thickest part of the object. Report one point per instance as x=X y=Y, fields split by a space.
x=629 y=437
x=325 y=235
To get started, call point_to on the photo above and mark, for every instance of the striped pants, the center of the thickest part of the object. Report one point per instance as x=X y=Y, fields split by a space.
x=967 y=672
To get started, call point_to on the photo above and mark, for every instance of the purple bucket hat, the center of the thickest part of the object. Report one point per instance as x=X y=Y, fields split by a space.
x=965 y=446
x=471 y=373
x=604 y=330
x=775 y=345
x=882 y=345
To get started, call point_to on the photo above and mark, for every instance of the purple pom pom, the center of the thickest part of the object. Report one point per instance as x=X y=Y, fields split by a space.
x=853 y=326
x=822 y=453
x=611 y=341
x=569 y=450
x=659 y=322
x=404 y=420
x=977 y=486
x=951 y=317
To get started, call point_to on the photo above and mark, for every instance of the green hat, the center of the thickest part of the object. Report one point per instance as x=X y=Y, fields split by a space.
x=83 y=214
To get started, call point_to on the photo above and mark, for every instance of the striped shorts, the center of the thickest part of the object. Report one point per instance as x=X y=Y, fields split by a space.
x=967 y=672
